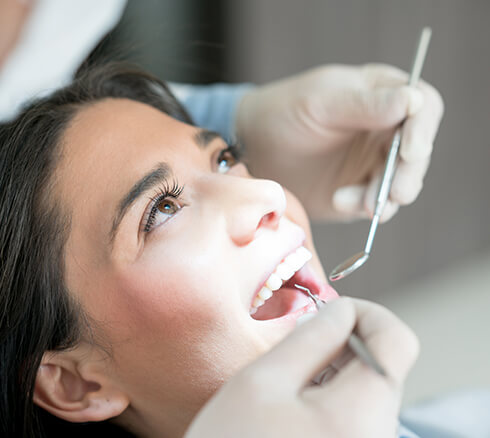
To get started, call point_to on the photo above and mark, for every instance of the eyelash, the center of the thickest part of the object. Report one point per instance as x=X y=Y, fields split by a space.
x=175 y=190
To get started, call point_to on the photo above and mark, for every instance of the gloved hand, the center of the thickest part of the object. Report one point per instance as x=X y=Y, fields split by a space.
x=272 y=396
x=324 y=135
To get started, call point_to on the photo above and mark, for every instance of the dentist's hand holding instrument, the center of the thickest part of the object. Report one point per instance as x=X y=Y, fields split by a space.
x=325 y=134
x=355 y=343
x=273 y=396
x=356 y=261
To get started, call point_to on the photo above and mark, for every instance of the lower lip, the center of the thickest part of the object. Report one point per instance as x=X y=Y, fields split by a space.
x=323 y=290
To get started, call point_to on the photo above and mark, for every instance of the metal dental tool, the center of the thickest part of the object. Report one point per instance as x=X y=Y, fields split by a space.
x=355 y=343
x=357 y=260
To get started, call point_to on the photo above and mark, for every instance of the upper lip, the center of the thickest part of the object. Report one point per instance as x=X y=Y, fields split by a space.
x=278 y=260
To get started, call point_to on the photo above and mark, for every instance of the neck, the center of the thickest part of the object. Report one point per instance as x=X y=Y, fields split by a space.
x=156 y=421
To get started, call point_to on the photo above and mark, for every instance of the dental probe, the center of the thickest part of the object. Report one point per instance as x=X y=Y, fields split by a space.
x=357 y=260
x=355 y=343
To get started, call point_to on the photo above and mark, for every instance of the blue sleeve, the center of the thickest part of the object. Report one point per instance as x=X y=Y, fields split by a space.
x=212 y=106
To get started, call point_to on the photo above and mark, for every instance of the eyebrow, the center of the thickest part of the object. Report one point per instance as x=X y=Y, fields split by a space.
x=160 y=174
x=204 y=137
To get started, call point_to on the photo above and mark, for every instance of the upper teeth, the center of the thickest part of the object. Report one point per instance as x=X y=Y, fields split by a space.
x=284 y=271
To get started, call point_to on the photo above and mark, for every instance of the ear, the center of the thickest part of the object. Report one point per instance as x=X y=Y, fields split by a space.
x=77 y=387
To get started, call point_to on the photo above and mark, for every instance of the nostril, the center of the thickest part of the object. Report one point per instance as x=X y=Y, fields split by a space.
x=269 y=220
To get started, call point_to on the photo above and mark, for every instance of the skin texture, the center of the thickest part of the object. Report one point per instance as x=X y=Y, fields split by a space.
x=172 y=305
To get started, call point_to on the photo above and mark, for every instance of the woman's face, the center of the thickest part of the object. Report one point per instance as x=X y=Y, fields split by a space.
x=170 y=242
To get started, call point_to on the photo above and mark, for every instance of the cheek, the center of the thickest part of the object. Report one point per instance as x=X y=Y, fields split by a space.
x=184 y=304
x=172 y=293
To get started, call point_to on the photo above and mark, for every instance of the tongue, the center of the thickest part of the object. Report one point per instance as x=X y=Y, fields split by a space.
x=285 y=300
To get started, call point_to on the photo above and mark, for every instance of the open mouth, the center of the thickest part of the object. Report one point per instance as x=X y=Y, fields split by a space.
x=279 y=297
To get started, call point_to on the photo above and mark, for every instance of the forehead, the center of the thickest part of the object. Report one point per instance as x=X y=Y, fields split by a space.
x=108 y=146
x=121 y=125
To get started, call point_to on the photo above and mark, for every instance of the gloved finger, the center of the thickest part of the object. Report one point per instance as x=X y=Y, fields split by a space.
x=420 y=128
x=390 y=208
x=408 y=181
x=348 y=201
x=329 y=372
x=358 y=202
x=307 y=350
x=388 y=338
x=392 y=344
x=422 y=123
x=384 y=75
x=395 y=347
x=375 y=108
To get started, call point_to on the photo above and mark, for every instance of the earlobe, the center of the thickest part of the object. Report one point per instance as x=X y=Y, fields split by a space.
x=63 y=390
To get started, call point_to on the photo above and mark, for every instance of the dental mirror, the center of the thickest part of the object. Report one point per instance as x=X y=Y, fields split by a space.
x=350 y=265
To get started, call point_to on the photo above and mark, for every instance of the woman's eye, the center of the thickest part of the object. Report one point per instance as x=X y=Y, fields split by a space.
x=161 y=212
x=168 y=206
x=226 y=160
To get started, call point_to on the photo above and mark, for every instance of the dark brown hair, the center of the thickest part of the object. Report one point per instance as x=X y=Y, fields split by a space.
x=36 y=311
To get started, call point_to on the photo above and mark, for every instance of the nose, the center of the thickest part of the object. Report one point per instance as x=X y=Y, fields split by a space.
x=253 y=206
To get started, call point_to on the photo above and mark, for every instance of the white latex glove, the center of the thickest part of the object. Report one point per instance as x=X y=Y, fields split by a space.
x=273 y=398
x=324 y=135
